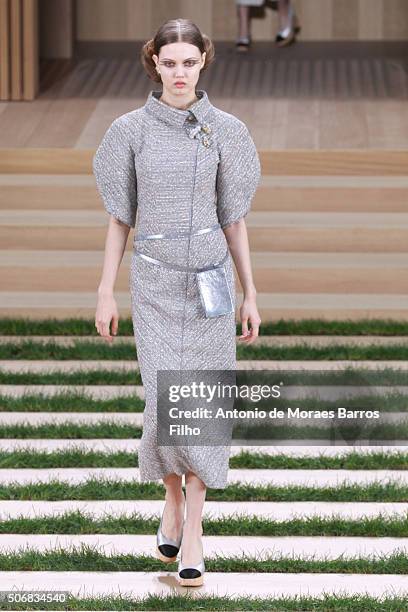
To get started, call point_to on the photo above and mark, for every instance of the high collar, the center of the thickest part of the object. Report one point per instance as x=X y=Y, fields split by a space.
x=177 y=116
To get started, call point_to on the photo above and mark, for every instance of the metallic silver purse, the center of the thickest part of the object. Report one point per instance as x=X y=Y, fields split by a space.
x=214 y=291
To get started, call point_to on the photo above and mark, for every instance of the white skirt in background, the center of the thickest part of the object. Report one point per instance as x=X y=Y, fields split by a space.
x=250 y=2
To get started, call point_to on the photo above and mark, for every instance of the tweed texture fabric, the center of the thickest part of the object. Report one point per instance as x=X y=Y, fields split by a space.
x=161 y=169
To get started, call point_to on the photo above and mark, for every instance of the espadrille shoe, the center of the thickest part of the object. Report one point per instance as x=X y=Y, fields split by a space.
x=167 y=548
x=288 y=35
x=191 y=575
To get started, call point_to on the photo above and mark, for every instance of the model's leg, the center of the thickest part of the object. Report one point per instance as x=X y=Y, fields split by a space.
x=283 y=13
x=289 y=24
x=243 y=21
x=191 y=546
x=173 y=513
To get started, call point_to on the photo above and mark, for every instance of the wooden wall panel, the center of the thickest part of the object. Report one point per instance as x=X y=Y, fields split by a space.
x=395 y=18
x=31 y=67
x=103 y=20
x=19 y=57
x=16 y=64
x=370 y=20
x=4 y=50
x=139 y=19
x=345 y=20
x=199 y=12
x=56 y=19
x=99 y=20
x=316 y=18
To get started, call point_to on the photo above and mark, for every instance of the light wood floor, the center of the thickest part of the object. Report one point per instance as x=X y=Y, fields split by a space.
x=308 y=96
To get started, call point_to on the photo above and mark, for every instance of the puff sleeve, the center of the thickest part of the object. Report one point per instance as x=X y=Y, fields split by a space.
x=238 y=174
x=114 y=170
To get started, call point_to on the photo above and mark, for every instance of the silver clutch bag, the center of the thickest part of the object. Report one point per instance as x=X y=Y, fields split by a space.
x=214 y=292
x=212 y=283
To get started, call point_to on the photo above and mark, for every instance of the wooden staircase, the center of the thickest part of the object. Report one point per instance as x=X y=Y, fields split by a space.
x=328 y=233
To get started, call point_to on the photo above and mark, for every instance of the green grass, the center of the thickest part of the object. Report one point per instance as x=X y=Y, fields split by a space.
x=106 y=489
x=29 y=458
x=350 y=461
x=79 y=327
x=88 y=377
x=66 y=459
x=188 y=601
x=347 y=376
x=86 y=556
x=81 y=350
x=76 y=522
x=77 y=401
x=71 y=431
x=347 y=432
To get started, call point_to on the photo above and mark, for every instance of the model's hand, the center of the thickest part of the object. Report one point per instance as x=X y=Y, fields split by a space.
x=249 y=312
x=106 y=312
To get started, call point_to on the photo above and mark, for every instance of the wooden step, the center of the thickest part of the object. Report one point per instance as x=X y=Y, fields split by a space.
x=90 y=584
x=273 y=511
x=67 y=160
x=274 y=193
x=268 y=231
x=369 y=273
x=292 y=448
x=250 y=477
x=271 y=306
x=260 y=547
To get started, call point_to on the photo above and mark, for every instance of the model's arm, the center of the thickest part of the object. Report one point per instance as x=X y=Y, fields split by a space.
x=237 y=238
x=107 y=310
x=115 y=174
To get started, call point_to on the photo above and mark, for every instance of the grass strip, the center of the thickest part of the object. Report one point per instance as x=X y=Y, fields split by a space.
x=71 y=431
x=347 y=432
x=86 y=377
x=314 y=326
x=29 y=458
x=349 y=461
x=108 y=489
x=78 y=401
x=81 y=350
x=77 y=522
x=85 y=557
x=348 y=375
x=188 y=601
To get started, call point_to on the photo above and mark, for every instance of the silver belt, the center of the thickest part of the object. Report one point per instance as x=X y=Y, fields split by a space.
x=205 y=230
x=171 y=266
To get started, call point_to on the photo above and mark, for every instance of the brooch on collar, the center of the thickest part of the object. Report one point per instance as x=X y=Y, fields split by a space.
x=200 y=131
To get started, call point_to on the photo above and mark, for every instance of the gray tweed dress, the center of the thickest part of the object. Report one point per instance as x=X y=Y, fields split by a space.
x=172 y=173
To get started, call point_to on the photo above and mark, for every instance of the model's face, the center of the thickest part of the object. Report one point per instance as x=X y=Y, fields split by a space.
x=179 y=65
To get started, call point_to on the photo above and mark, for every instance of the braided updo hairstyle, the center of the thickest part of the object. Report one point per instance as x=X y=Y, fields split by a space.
x=175 y=30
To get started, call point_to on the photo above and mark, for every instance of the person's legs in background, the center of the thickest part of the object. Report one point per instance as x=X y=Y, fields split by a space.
x=244 y=37
x=288 y=23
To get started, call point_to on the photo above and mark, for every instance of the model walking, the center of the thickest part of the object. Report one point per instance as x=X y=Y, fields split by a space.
x=189 y=170
x=289 y=24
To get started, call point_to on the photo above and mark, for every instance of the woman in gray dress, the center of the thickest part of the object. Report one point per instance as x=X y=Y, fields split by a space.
x=186 y=171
